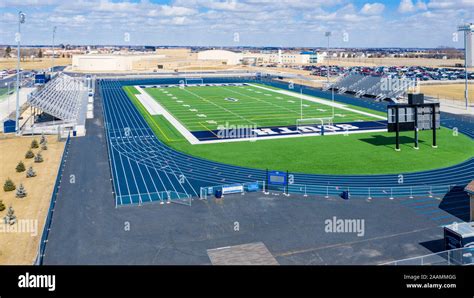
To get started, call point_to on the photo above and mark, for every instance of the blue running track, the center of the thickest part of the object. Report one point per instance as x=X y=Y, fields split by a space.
x=145 y=170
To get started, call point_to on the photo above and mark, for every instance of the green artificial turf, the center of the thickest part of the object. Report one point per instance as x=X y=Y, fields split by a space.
x=364 y=153
x=205 y=108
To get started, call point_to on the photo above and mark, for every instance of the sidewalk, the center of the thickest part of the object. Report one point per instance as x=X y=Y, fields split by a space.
x=457 y=110
x=456 y=107
x=453 y=107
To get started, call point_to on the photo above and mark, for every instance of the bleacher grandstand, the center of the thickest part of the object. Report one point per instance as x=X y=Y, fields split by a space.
x=60 y=105
x=380 y=87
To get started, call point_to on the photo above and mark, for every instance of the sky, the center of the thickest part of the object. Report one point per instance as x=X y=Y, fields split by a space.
x=280 y=23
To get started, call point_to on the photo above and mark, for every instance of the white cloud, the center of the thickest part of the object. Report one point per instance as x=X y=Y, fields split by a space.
x=259 y=22
x=29 y=3
x=108 y=6
x=180 y=21
x=406 y=6
x=226 y=5
x=79 y=19
x=258 y=5
x=177 y=10
x=346 y=14
x=171 y=11
x=372 y=8
x=451 y=4
x=421 y=5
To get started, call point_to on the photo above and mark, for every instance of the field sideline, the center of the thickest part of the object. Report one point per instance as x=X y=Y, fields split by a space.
x=367 y=153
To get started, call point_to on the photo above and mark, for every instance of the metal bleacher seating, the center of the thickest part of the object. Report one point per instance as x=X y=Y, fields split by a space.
x=362 y=85
x=61 y=97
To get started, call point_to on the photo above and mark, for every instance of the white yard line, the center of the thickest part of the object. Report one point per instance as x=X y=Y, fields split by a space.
x=321 y=101
x=180 y=127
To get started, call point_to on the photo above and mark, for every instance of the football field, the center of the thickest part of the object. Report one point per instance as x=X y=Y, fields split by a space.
x=208 y=107
x=199 y=109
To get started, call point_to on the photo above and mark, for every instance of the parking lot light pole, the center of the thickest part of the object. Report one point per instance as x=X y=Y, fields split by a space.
x=21 y=20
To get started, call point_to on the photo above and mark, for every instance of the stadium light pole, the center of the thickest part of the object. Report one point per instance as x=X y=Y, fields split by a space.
x=21 y=20
x=467 y=29
x=52 y=56
x=327 y=34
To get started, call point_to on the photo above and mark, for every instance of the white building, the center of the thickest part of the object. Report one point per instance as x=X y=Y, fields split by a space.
x=172 y=59
x=114 y=62
x=279 y=57
x=227 y=57
x=284 y=57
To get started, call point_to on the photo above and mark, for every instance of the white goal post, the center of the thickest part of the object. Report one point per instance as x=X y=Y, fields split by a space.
x=193 y=81
x=324 y=121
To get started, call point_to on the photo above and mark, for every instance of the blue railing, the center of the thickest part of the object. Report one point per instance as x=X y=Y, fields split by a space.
x=333 y=190
x=54 y=195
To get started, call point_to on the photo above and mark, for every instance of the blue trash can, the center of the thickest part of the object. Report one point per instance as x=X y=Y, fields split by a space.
x=218 y=193
x=252 y=187
x=345 y=195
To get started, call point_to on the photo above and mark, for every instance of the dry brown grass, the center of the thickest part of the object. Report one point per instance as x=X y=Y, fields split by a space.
x=448 y=91
x=21 y=248
x=38 y=63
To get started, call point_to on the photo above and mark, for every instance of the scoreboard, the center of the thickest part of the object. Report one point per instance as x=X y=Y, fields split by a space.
x=413 y=116
x=277 y=178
